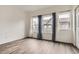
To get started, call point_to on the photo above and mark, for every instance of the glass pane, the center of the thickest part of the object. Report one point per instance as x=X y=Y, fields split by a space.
x=47 y=24
x=64 y=15
x=35 y=24
x=64 y=21
x=34 y=27
x=47 y=27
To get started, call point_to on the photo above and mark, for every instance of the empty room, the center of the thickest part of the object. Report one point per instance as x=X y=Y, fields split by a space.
x=39 y=29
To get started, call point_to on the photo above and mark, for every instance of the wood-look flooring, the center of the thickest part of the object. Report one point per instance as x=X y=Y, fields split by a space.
x=33 y=46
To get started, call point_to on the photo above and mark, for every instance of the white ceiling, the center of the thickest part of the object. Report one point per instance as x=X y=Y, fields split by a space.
x=32 y=7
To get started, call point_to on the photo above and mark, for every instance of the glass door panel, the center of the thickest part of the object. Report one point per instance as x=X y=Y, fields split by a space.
x=34 y=27
x=47 y=27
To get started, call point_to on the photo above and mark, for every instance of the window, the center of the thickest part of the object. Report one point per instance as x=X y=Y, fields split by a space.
x=35 y=24
x=47 y=24
x=64 y=20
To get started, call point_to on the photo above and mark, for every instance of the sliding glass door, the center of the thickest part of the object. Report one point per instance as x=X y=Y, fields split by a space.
x=64 y=27
x=42 y=27
x=34 y=27
x=47 y=27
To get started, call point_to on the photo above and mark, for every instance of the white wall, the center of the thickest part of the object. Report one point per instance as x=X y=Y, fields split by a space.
x=28 y=24
x=12 y=24
x=63 y=36
x=74 y=18
x=77 y=26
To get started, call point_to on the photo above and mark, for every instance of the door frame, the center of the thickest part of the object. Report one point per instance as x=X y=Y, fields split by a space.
x=76 y=19
x=54 y=27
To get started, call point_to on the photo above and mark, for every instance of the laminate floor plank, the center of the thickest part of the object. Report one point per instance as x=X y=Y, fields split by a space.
x=33 y=46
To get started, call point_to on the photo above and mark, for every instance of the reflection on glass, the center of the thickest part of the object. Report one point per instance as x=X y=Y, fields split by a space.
x=64 y=21
x=47 y=24
x=35 y=24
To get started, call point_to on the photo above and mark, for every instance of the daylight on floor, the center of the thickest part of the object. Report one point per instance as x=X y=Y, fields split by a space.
x=39 y=29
